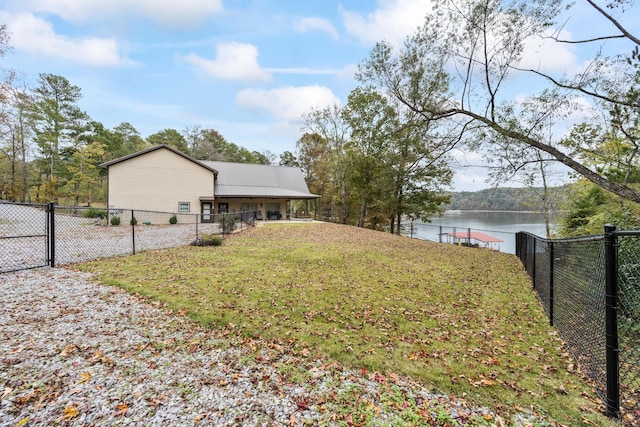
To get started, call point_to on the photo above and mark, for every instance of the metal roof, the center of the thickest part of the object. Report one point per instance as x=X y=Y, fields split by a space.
x=253 y=180
x=477 y=235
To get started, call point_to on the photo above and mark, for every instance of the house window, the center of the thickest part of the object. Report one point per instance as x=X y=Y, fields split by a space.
x=273 y=211
x=249 y=207
x=184 y=207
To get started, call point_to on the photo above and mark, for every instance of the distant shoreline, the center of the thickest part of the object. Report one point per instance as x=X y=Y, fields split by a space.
x=489 y=211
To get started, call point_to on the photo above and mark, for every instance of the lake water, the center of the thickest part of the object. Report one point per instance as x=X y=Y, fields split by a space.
x=502 y=225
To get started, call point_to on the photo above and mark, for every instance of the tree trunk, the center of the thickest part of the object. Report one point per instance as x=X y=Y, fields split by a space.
x=363 y=212
x=399 y=208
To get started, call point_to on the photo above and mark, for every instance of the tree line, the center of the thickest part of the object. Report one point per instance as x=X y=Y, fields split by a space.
x=51 y=150
x=386 y=154
x=515 y=199
x=373 y=162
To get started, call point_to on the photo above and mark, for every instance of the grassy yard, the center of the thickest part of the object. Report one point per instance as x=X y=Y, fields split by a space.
x=461 y=321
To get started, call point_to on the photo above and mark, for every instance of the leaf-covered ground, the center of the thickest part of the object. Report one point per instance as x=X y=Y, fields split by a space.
x=462 y=321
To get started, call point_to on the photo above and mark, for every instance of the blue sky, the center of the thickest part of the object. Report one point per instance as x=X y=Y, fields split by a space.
x=247 y=68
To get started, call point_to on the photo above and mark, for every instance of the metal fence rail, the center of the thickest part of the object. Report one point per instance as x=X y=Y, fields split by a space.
x=39 y=235
x=590 y=289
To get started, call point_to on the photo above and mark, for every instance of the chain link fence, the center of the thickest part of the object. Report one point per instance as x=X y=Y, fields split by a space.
x=37 y=235
x=629 y=322
x=570 y=278
x=24 y=236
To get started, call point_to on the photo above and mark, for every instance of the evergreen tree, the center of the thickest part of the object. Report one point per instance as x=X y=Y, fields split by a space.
x=58 y=123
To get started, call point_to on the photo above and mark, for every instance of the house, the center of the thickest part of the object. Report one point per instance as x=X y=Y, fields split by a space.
x=164 y=179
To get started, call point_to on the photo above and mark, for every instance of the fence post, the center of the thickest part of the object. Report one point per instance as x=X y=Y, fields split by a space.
x=533 y=270
x=611 y=315
x=551 y=264
x=133 y=231
x=51 y=217
x=197 y=216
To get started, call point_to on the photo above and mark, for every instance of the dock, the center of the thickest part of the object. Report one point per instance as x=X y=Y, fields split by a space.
x=468 y=238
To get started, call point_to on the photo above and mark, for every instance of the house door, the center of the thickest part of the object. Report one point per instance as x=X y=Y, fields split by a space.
x=206 y=212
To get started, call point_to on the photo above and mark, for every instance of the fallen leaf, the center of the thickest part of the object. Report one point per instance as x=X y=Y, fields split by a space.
x=68 y=349
x=122 y=409
x=19 y=350
x=70 y=412
x=84 y=377
x=303 y=404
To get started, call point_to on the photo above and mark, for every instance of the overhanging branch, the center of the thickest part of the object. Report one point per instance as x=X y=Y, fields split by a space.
x=611 y=19
x=614 y=187
x=581 y=89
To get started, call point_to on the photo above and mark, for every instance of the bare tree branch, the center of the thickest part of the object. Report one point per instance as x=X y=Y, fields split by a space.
x=619 y=26
x=614 y=187
x=595 y=39
x=582 y=90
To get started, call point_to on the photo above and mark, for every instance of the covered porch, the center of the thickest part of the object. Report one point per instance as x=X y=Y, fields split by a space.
x=260 y=208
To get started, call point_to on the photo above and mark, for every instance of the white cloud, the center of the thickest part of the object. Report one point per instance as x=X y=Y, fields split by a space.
x=348 y=72
x=392 y=21
x=183 y=13
x=470 y=179
x=546 y=55
x=471 y=171
x=306 y=25
x=288 y=102
x=307 y=71
x=234 y=61
x=37 y=37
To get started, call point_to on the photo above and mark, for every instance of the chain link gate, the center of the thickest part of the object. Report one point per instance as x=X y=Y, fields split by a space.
x=39 y=235
x=25 y=231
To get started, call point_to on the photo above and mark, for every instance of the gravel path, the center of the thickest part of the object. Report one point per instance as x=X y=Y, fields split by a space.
x=73 y=352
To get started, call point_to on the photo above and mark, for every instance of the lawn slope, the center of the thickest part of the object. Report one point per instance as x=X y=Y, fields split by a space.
x=462 y=321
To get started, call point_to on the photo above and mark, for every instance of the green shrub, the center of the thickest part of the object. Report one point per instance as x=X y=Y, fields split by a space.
x=173 y=219
x=228 y=223
x=208 y=240
x=133 y=221
x=115 y=220
x=95 y=213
